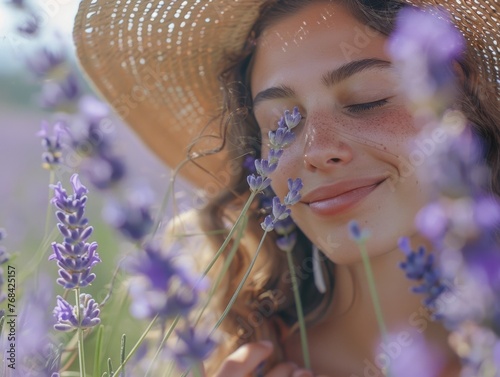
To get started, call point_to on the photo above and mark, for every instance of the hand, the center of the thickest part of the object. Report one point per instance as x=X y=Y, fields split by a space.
x=244 y=361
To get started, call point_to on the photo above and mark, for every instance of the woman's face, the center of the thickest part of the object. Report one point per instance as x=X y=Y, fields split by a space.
x=353 y=145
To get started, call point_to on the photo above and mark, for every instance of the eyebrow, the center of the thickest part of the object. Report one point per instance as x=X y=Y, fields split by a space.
x=330 y=78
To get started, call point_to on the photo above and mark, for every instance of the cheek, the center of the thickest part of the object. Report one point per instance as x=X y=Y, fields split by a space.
x=391 y=132
x=288 y=168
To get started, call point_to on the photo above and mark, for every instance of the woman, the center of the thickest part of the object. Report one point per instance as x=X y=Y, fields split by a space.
x=328 y=58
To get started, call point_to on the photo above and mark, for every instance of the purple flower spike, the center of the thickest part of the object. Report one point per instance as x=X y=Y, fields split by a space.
x=293 y=196
x=426 y=44
x=421 y=268
x=280 y=211
x=58 y=95
x=66 y=314
x=264 y=168
x=287 y=243
x=281 y=138
x=292 y=119
x=258 y=183
x=249 y=164
x=268 y=224
x=160 y=285
x=75 y=256
x=30 y=26
x=45 y=61
x=194 y=347
x=132 y=218
x=52 y=144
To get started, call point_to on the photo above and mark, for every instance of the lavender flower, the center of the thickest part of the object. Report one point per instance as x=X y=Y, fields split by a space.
x=52 y=144
x=293 y=196
x=58 y=95
x=356 y=233
x=132 y=218
x=292 y=119
x=30 y=26
x=38 y=349
x=101 y=166
x=104 y=171
x=67 y=316
x=278 y=141
x=45 y=61
x=258 y=183
x=426 y=45
x=75 y=257
x=249 y=163
x=421 y=268
x=160 y=285
x=194 y=347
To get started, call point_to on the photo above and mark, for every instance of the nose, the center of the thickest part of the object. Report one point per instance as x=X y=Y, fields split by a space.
x=325 y=147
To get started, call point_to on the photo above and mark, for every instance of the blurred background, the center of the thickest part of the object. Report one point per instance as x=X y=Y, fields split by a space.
x=24 y=191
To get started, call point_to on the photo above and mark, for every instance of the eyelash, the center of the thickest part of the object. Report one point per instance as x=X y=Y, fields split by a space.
x=367 y=106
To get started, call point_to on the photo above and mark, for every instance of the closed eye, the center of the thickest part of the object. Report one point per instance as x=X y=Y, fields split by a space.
x=366 y=106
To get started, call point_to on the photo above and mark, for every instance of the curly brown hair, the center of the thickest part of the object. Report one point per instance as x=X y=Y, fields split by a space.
x=267 y=299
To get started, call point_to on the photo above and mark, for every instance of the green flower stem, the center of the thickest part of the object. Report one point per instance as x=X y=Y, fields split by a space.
x=81 y=348
x=47 y=216
x=225 y=267
x=136 y=345
x=164 y=339
x=373 y=290
x=300 y=313
x=197 y=371
x=231 y=232
x=98 y=351
x=240 y=286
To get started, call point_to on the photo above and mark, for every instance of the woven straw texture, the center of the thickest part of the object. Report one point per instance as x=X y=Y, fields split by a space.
x=157 y=62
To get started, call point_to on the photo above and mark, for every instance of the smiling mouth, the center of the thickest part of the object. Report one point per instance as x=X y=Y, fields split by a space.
x=337 y=204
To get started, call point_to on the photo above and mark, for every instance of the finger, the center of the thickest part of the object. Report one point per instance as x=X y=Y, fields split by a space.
x=245 y=359
x=282 y=370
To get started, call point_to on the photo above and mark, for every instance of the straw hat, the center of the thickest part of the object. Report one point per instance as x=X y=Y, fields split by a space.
x=156 y=62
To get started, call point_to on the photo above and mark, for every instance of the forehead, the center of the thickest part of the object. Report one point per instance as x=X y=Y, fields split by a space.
x=320 y=36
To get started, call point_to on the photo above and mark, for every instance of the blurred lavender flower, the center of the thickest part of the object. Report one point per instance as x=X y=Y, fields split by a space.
x=249 y=163
x=430 y=359
x=160 y=285
x=61 y=94
x=30 y=26
x=52 y=144
x=418 y=267
x=4 y=257
x=425 y=45
x=38 y=350
x=104 y=171
x=45 y=61
x=194 y=347
x=132 y=218
x=75 y=257
x=101 y=166
x=67 y=317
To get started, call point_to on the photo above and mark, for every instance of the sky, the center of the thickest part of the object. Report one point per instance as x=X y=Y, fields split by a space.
x=57 y=16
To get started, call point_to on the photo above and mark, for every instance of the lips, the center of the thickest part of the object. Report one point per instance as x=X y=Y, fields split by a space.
x=336 y=198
